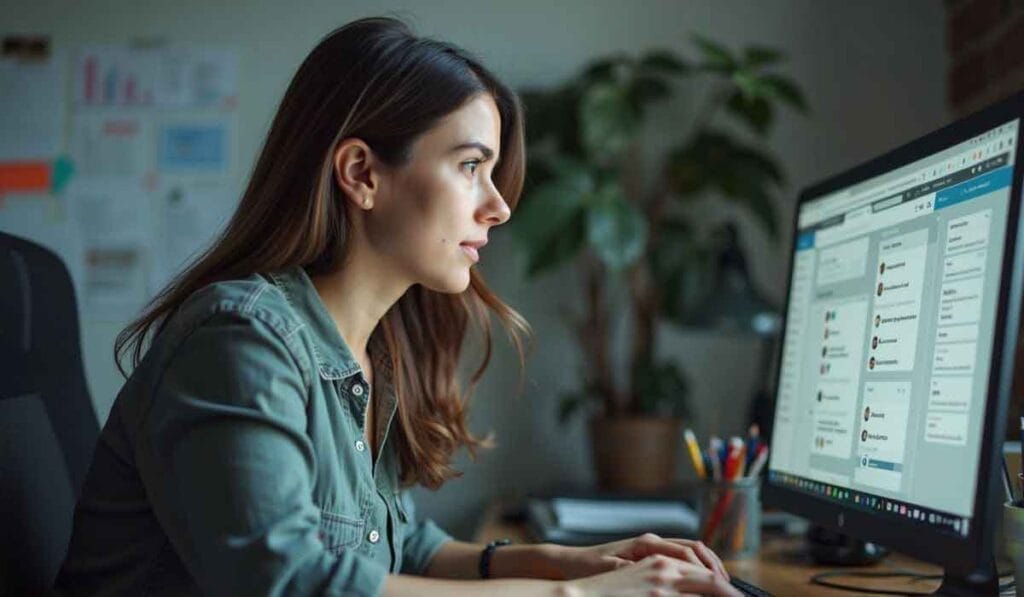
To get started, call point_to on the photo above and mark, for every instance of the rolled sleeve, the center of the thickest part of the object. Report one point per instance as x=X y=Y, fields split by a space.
x=233 y=468
x=421 y=541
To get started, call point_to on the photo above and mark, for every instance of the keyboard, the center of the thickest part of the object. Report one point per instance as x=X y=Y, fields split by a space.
x=748 y=589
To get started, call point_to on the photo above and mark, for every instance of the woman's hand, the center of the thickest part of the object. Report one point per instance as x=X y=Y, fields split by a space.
x=653 y=575
x=578 y=562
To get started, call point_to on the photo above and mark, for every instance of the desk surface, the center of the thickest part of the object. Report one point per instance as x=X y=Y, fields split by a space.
x=781 y=567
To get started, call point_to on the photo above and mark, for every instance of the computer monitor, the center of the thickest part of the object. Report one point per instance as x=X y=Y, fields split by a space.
x=896 y=364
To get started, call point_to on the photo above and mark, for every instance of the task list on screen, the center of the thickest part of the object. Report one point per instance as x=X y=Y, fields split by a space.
x=956 y=333
x=899 y=282
x=882 y=433
x=838 y=377
x=891 y=320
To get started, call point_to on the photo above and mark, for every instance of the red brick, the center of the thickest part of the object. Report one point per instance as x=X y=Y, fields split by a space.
x=972 y=21
x=968 y=78
x=1007 y=52
x=952 y=6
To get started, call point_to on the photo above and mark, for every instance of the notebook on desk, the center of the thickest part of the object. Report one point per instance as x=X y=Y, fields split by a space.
x=589 y=521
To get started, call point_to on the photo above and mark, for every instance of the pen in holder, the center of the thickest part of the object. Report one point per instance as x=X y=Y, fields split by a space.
x=730 y=516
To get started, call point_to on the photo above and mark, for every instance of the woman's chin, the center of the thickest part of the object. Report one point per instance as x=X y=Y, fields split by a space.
x=451 y=284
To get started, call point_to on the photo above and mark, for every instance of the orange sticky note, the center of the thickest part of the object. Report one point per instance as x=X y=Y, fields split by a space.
x=24 y=177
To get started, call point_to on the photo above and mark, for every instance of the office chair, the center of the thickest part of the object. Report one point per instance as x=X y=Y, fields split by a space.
x=48 y=428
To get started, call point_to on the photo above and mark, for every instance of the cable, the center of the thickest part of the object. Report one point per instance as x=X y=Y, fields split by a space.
x=819 y=579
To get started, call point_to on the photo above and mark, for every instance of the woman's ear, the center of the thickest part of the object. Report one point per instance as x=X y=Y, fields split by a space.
x=356 y=172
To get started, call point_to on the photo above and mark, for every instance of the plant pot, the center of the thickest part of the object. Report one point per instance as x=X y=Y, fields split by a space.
x=635 y=453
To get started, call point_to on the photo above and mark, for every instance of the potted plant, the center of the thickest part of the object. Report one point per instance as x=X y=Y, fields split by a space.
x=589 y=202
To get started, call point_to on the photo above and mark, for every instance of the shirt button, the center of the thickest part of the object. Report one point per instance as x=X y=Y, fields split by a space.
x=360 y=445
x=357 y=390
x=374 y=536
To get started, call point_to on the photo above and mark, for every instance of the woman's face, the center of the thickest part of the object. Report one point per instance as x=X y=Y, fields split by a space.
x=431 y=215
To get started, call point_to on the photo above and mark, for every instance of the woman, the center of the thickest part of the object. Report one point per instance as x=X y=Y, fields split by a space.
x=302 y=372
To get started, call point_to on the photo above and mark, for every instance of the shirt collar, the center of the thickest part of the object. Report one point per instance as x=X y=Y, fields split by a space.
x=334 y=359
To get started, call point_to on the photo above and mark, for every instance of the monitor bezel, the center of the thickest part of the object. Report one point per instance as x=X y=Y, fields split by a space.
x=957 y=554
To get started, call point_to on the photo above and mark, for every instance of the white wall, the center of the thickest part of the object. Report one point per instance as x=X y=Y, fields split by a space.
x=874 y=72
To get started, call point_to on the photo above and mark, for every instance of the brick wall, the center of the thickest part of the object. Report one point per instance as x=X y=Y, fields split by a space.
x=985 y=39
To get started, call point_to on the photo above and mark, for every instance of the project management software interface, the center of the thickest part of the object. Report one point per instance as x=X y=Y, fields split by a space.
x=889 y=333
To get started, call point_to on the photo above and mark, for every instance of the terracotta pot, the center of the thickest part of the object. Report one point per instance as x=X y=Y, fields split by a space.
x=635 y=453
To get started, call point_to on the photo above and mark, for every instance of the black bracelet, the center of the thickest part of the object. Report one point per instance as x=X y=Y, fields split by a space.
x=485 y=556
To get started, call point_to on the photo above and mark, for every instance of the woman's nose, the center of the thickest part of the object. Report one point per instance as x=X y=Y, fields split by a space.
x=496 y=211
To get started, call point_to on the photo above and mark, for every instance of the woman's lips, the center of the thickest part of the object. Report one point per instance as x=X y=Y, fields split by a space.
x=472 y=248
x=471 y=251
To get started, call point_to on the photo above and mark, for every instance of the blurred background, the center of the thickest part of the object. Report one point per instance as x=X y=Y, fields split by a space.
x=129 y=129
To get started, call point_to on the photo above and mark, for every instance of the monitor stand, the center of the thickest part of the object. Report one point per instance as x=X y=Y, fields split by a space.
x=830 y=548
x=981 y=583
x=837 y=549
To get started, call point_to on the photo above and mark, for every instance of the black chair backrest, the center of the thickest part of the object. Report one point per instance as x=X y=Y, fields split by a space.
x=48 y=428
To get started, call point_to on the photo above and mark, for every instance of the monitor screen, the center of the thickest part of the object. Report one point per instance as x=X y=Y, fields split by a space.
x=889 y=335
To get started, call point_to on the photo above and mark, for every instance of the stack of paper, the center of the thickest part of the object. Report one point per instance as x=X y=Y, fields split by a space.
x=615 y=516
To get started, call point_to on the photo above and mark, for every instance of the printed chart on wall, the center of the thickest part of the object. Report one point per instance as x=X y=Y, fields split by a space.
x=33 y=166
x=127 y=150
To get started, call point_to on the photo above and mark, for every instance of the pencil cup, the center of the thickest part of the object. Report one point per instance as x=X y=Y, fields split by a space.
x=730 y=517
x=1013 y=532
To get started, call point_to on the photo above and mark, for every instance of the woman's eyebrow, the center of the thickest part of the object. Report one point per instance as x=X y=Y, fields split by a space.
x=487 y=151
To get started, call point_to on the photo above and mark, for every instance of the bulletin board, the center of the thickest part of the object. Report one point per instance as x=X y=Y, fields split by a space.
x=118 y=157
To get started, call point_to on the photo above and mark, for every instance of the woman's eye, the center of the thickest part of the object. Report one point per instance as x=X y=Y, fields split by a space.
x=471 y=165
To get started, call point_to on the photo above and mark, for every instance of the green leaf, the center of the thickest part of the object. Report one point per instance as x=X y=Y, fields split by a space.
x=756 y=112
x=647 y=89
x=549 y=223
x=606 y=69
x=664 y=61
x=684 y=285
x=748 y=83
x=761 y=206
x=758 y=56
x=716 y=56
x=552 y=114
x=671 y=250
x=785 y=90
x=743 y=174
x=616 y=229
x=754 y=164
x=608 y=121
x=559 y=248
x=680 y=265
x=662 y=388
x=685 y=176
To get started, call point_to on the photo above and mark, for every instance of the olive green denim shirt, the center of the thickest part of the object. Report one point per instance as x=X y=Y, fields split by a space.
x=233 y=461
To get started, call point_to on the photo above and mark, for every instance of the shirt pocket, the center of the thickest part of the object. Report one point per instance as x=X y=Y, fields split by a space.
x=339 y=532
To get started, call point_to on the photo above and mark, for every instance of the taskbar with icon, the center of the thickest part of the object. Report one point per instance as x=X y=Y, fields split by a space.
x=857 y=500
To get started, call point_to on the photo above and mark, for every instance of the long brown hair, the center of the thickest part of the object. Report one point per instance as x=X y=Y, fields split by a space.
x=374 y=80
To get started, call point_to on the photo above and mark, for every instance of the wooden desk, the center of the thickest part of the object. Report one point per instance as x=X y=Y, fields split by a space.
x=781 y=568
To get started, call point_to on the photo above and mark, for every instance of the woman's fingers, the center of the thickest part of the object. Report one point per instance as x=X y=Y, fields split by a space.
x=657 y=574
x=694 y=552
x=674 y=550
x=704 y=582
x=706 y=555
x=615 y=562
x=678 y=576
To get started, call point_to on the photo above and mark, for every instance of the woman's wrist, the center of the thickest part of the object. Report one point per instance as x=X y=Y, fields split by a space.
x=540 y=560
